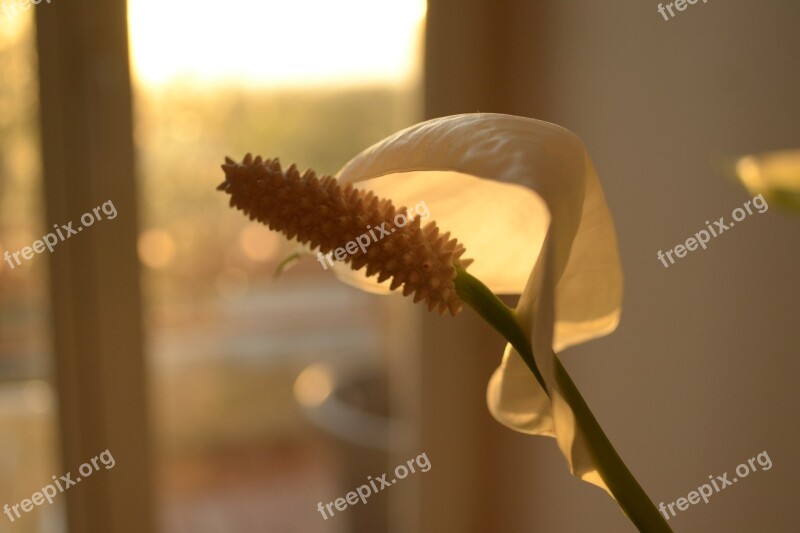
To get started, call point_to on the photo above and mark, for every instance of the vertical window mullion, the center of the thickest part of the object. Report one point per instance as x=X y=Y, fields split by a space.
x=87 y=153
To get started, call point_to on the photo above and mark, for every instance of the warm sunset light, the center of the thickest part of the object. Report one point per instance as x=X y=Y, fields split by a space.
x=273 y=42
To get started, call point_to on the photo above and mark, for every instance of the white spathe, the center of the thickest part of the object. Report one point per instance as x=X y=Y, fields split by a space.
x=523 y=197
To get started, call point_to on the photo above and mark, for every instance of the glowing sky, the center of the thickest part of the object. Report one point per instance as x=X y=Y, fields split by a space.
x=273 y=43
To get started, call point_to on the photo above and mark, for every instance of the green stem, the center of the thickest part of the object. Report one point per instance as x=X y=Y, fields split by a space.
x=498 y=315
x=629 y=494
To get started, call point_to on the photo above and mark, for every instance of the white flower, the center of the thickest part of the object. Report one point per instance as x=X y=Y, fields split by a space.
x=523 y=197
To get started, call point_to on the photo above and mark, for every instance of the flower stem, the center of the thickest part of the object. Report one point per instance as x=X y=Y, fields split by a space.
x=630 y=496
x=497 y=314
x=618 y=478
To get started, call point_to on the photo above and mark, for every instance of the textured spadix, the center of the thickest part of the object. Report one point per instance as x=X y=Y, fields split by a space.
x=322 y=214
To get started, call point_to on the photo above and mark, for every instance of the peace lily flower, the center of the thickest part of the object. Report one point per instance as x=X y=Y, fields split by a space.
x=776 y=175
x=523 y=200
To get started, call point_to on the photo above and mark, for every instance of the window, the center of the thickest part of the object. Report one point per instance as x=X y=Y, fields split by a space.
x=227 y=341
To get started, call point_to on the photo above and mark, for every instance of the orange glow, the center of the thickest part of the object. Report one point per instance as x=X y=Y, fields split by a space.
x=314 y=385
x=271 y=42
x=156 y=248
x=259 y=243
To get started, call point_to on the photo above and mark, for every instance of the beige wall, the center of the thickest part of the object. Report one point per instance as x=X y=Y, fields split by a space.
x=702 y=373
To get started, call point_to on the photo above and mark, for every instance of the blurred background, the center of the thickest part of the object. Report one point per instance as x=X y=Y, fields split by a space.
x=235 y=402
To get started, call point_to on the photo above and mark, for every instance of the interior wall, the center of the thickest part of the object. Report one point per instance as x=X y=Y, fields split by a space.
x=700 y=376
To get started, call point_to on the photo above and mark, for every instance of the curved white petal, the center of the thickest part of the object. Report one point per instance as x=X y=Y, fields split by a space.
x=523 y=197
x=516 y=400
x=495 y=181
